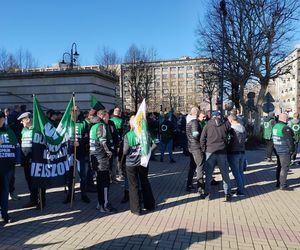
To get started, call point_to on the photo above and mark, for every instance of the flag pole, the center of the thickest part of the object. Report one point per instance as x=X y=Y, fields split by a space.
x=74 y=155
x=39 y=189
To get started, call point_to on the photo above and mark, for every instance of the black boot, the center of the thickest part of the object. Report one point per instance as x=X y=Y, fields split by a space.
x=126 y=197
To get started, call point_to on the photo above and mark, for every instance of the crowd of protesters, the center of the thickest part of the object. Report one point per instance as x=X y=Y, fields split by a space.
x=109 y=152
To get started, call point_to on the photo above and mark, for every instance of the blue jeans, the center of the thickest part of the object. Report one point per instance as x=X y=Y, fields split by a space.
x=213 y=159
x=4 y=191
x=236 y=162
x=169 y=147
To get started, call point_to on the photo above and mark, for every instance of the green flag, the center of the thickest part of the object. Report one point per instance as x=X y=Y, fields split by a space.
x=42 y=125
x=50 y=148
x=96 y=104
x=93 y=101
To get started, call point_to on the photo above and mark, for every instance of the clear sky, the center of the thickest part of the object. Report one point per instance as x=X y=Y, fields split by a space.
x=47 y=28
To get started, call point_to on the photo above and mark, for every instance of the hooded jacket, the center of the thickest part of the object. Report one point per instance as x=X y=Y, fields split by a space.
x=238 y=138
x=214 y=136
x=193 y=133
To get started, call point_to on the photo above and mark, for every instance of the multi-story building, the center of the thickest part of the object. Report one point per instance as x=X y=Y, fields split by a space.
x=286 y=87
x=173 y=84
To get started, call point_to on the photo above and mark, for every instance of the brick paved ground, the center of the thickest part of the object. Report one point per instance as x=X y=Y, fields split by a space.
x=266 y=219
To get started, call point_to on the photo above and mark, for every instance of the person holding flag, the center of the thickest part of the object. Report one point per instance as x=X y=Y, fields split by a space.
x=26 y=157
x=137 y=151
x=80 y=141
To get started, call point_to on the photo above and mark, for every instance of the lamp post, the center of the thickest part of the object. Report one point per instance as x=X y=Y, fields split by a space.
x=221 y=83
x=73 y=56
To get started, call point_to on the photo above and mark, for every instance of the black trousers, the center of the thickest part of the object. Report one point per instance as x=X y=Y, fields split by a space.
x=269 y=148
x=294 y=155
x=135 y=175
x=283 y=163
x=196 y=164
x=103 y=180
x=34 y=194
x=12 y=180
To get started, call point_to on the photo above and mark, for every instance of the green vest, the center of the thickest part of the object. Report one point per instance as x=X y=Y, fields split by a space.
x=96 y=147
x=117 y=121
x=26 y=143
x=7 y=149
x=277 y=130
x=132 y=139
x=202 y=123
x=268 y=129
x=296 y=130
x=134 y=155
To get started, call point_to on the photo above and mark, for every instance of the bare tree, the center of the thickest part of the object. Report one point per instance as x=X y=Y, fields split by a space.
x=20 y=60
x=275 y=25
x=138 y=73
x=208 y=74
x=257 y=32
x=25 y=59
x=108 y=58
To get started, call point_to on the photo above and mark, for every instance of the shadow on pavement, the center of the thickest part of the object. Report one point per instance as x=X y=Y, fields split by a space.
x=164 y=240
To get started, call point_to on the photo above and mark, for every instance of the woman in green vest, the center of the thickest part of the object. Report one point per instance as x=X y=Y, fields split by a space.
x=137 y=175
x=8 y=143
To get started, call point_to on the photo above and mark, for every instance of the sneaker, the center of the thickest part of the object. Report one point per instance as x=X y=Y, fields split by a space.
x=228 y=197
x=29 y=204
x=172 y=161
x=107 y=209
x=269 y=160
x=286 y=188
x=7 y=220
x=205 y=197
x=239 y=194
x=85 y=199
x=120 y=178
x=13 y=196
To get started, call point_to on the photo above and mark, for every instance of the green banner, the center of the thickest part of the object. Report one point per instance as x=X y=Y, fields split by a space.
x=50 y=153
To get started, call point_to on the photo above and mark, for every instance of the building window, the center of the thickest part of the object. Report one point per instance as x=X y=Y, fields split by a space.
x=157 y=77
x=165 y=76
x=189 y=67
x=180 y=75
x=180 y=68
x=173 y=76
x=173 y=69
x=165 y=69
x=189 y=83
x=189 y=75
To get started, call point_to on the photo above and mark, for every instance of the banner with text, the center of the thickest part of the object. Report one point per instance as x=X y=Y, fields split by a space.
x=50 y=155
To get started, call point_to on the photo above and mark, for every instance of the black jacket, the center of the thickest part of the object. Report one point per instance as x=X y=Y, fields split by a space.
x=193 y=133
x=215 y=136
x=237 y=139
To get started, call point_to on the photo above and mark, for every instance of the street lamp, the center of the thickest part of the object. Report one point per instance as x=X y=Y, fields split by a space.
x=221 y=83
x=73 y=56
